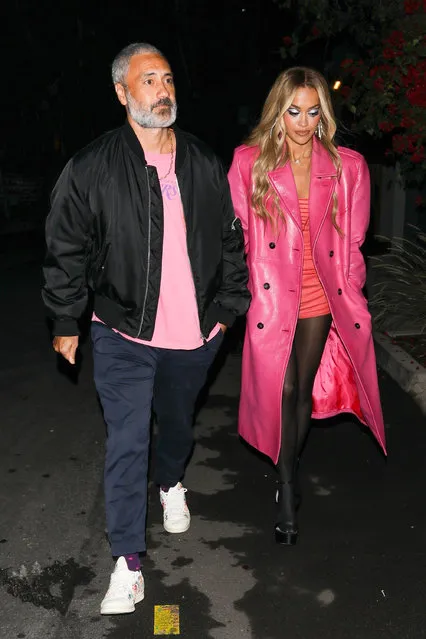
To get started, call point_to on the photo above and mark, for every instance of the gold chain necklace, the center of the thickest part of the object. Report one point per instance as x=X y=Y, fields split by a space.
x=172 y=155
x=302 y=157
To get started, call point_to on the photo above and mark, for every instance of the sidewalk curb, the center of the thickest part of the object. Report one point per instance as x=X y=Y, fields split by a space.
x=405 y=370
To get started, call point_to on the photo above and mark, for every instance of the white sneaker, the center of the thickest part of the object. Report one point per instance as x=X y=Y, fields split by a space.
x=126 y=588
x=176 y=517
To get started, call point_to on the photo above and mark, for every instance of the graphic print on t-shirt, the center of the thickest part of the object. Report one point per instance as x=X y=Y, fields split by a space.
x=168 y=190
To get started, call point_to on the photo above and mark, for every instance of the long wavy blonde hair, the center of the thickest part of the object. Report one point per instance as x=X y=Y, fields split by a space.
x=269 y=136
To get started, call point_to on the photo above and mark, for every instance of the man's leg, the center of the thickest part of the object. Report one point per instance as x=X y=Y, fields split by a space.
x=179 y=379
x=124 y=378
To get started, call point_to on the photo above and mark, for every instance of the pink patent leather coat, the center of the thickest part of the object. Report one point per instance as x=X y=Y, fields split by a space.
x=347 y=377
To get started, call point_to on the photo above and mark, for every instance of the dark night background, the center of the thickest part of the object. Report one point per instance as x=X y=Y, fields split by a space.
x=58 y=93
x=358 y=571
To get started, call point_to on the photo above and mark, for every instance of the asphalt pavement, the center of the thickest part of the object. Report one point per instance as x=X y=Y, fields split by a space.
x=357 y=572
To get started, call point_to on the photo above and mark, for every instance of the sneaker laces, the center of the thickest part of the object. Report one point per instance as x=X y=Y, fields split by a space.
x=120 y=581
x=175 y=501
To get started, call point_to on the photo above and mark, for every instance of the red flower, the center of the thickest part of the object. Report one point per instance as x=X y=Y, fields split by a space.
x=315 y=31
x=357 y=67
x=287 y=41
x=389 y=53
x=345 y=91
x=412 y=142
x=415 y=74
x=393 y=45
x=396 y=39
x=389 y=70
x=398 y=143
x=418 y=156
x=407 y=121
x=379 y=84
x=419 y=200
x=347 y=62
x=411 y=6
x=417 y=96
x=385 y=126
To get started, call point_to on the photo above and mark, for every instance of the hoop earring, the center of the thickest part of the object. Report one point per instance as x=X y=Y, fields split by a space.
x=320 y=130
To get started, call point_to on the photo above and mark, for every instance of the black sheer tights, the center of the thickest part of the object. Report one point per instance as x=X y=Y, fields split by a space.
x=308 y=345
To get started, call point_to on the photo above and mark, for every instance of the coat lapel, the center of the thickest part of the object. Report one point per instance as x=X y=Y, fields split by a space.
x=322 y=186
x=283 y=182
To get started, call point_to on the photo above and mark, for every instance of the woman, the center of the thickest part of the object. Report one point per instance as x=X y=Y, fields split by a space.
x=308 y=351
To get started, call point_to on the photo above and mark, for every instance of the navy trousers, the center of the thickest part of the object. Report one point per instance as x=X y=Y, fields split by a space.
x=130 y=379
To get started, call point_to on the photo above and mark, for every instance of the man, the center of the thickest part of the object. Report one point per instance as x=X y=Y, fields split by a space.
x=143 y=217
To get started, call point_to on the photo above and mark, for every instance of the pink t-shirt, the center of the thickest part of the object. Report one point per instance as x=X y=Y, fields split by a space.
x=177 y=325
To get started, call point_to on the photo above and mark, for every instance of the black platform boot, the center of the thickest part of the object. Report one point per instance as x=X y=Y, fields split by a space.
x=286 y=528
x=297 y=489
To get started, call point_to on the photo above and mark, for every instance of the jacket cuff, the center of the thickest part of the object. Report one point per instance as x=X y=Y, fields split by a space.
x=222 y=315
x=65 y=328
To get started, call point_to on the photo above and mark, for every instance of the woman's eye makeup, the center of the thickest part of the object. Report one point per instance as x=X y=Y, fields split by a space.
x=313 y=113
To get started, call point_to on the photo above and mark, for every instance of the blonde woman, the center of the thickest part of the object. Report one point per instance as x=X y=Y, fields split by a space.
x=304 y=207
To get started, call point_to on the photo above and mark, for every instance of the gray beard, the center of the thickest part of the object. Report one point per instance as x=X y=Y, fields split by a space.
x=147 y=118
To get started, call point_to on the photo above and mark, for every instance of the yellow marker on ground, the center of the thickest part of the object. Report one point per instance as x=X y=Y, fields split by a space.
x=166 y=620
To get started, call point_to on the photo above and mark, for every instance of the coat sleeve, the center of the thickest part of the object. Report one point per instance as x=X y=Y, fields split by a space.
x=232 y=298
x=65 y=290
x=360 y=219
x=240 y=197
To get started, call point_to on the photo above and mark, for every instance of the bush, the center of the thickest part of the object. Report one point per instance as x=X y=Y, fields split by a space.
x=399 y=300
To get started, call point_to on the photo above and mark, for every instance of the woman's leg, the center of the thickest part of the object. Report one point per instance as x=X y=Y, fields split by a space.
x=309 y=341
x=308 y=346
x=289 y=429
x=296 y=408
x=286 y=526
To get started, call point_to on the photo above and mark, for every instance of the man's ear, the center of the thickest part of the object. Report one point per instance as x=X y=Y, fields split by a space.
x=121 y=94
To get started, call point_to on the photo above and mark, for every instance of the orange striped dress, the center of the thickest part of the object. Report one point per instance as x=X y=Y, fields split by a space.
x=313 y=301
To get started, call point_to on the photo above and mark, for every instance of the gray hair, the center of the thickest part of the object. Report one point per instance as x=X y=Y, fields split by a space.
x=120 y=65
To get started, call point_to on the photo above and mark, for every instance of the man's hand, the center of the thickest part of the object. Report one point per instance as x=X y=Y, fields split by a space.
x=66 y=346
x=223 y=327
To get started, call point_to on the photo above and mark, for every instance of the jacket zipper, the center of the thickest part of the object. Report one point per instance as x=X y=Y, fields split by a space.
x=149 y=253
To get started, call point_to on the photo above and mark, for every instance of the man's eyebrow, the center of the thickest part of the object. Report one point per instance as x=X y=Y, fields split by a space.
x=150 y=73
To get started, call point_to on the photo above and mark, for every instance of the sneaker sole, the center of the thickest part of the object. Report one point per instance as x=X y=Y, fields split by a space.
x=116 y=610
x=176 y=531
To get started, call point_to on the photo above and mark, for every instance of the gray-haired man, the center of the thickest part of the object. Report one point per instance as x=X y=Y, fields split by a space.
x=143 y=217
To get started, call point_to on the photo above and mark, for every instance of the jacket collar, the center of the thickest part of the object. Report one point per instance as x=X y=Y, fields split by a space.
x=321 y=163
x=136 y=147
x=322 y=184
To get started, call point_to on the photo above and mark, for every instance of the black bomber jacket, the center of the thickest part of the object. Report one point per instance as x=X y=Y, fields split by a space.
x=105 y=232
